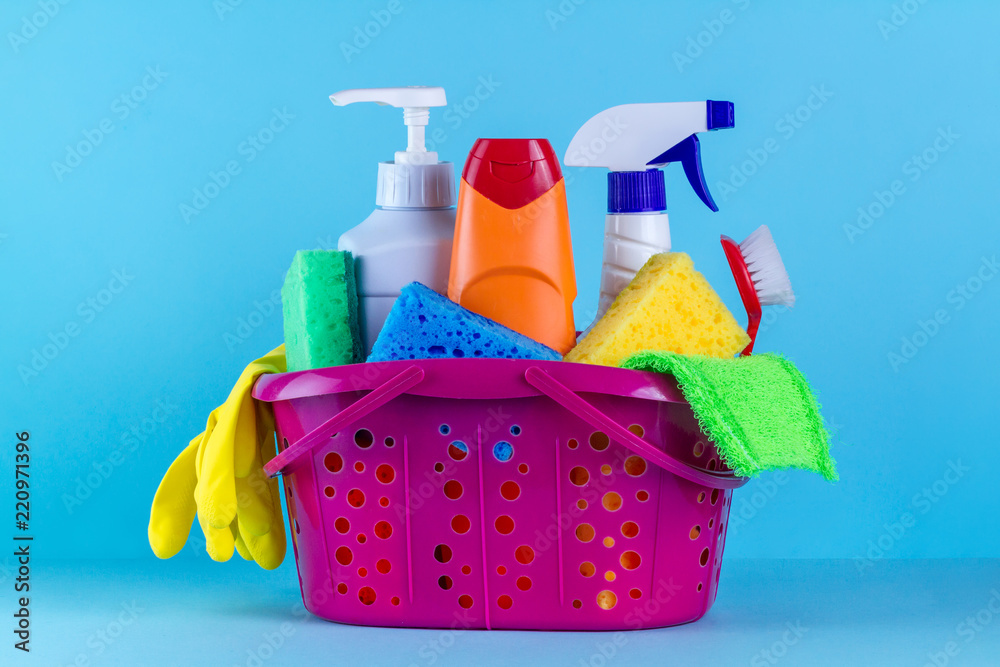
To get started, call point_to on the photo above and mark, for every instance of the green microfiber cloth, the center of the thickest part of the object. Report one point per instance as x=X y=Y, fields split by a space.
x=758 y=410
x=320 y=305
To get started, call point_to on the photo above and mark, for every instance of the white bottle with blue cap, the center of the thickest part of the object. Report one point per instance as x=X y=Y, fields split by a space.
x=634 y=141
x=409 y=235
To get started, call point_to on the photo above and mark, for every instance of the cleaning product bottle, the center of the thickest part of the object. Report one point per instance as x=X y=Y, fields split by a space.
x=408 y=236
x=513 y=257
x=633 y=141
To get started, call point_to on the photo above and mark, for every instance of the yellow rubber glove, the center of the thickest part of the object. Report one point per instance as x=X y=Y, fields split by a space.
x=219 y=477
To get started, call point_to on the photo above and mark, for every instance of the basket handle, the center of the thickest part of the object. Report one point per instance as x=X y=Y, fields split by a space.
x=570 y=400
x=367 y=403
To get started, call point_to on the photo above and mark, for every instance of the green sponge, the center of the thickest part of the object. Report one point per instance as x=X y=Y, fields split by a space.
x=320 y=304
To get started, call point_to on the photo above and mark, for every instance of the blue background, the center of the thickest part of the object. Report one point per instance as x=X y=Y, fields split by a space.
x=158 y=355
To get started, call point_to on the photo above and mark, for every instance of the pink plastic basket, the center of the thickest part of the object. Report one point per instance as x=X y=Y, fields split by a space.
x=493 y=493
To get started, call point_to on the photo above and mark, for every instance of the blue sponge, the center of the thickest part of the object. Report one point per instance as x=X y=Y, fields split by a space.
x=425 y=325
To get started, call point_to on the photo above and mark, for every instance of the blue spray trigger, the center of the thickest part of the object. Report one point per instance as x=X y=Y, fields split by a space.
x=688 y=153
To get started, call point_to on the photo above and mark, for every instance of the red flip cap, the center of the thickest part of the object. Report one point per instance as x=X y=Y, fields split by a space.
x=512 y=172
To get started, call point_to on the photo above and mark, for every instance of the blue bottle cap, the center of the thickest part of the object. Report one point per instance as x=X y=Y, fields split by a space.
x=636 y=191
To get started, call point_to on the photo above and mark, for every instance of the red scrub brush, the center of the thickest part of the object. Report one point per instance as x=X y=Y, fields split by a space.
x=760 y=276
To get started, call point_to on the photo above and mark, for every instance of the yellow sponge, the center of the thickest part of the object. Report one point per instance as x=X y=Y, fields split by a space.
x=667 y=306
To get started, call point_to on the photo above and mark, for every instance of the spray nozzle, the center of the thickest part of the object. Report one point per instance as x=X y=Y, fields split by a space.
x=415 y=101
x=631 y=138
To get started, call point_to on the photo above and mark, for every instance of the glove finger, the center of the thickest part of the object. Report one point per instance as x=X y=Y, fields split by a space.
x=241 y=547
x=254 y=509
x=173 y=510
x=219 y=542
x=245 y=435
x=267 y=550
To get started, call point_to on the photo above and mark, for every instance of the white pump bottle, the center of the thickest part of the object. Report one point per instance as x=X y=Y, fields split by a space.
x=408 y=237
x=633 y=141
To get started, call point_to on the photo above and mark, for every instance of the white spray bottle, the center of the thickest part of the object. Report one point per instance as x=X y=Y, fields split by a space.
x=633 y=141
x=409 y=235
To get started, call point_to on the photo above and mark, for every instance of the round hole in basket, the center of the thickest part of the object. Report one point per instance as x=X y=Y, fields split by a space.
x=465 y=601
x=696 y=531
x=362 y=572
x=367 y=595
x=355 y=497
x=700 y=586
x=333 y=462
x=342 y=588
x=390 y=441
x=510 y=490
x=363 y=438
x=329 y=492
x=605 y=469
x=515 y=430
x=642 y=496
x=453 y=489
x=442 y=553
x=712 y=464
x=612 y=501
x=607 y=600
x=445 y=582
x=524 y=554
x=444 y=429
x=635 y=594
x=715 y=496
x=710 y=523
x=572 y=443
x=577 y=604
x=505 y=602
x=609 y=542
x=699 y=448
x=359 y=466
x=701 y=497
x=638 y=430
x=503 y=451
x=581 y=503
x=585 y=532
x=383 y=501
x=383 y=566
x=344 y=555
x=466 y=569
x=383 y=530
x=385 y=473
x=504 y=524
x=635 y=466
x=361 y=538
x=438 y=467
x=394 y=601
x=587 y=568
x=630 y=560
x=704 y=557
x=523 y=468
x=630 y=529
x=342 y=525
x=460 y=524
x=609 y=576
x=501 y=570
x=458 y=450
x=579 y=476
x=523 y=583
x=599 y=441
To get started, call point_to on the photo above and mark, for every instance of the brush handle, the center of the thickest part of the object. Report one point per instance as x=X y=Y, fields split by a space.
x=744 y=283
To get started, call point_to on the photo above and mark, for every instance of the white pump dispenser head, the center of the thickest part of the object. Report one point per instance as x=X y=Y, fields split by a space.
x=415 y=179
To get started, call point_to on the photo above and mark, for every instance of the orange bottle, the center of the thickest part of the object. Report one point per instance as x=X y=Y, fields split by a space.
x=512 y=260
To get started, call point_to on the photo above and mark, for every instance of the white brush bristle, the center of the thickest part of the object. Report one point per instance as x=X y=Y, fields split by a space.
x=770 y=278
